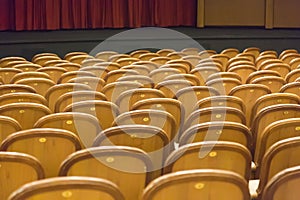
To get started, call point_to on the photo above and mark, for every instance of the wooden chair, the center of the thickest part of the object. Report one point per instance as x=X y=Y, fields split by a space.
x=161 y=60
x=231 y=52
x=267 y=62
x=49 y=146
x=263 y=58
x=52 y=63
x=43 y=59
x=292 y=75
x=223 y=85
x=243 y=71
x=213 y=114
x=91 y=62
x=25 y=113
x=12 y=64
x=170 y=87
x=211 y=62
x=249 y=93
x=224 y=75
x=69 y=187
x=64 y=78
x=284 y=185
x=6 y=74
x=193 y=59
x=41 y=85
x=96 y=84
x=287 y=51
x=8 y=126
x=282 y=155
x=200 y=184
x=204 y=72
x=104 y=111
x=114 y=75
x=273 y=99
x=223 y=58
x=57 y=90
x=172 y=106
x=247 y=55
x=113 y=90
x=275 y=132
x=290 y=56
x=143 y=70
x=281 y=68
x=153 y=140
x=217 y=131
x=207 y=53
x=157 y=118
x=293 y=88
x=69 y=55
x=27 y=67
x=4 y=61
x=222 y=155
x=253 y=50
x=146 y=81
x=137 y=53
x=80 y=58
x=110 y=66
x=269 y=115
x=188 y=65
x=85 y=126
x=272 y=82
x=191 y=51
x=17 y=169
x=54 y=72
x=70 y=67
x=126 y=61
x=269 y=52
x=187 y=77
x=158 y=75
x=127 y=99
x=114 y=163
x=116 y=57
x=191 y=95
x=104 y=55
x=147 y=56
x=176 y=55
x=261 y=73
x=221 y=101
x=294 y=64
x=22 y=97
x=15 y=88
x=71 y=97
x=182 y=68
x=24 y=75
x=98 y=71
x=150 y=65
x=165 y=52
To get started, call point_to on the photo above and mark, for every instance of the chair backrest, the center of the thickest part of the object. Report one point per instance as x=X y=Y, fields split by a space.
x=280 y=156
x=292 y=76
x=85 y=126
x=25 y=113
x=71 y=97
x=158 y=118
x=69 y=187
x=128 y=98
x=217 y=131
x=243 y=71
x=221 y=101
x=172 y=106
x=91 y=62
x=223 y=85
x=69 y=55
x=212 y=114
x=282 y=68
x=182 y=68
x=293 y=88
x=113 y=90
x=284 y=185
x=13 y=88
x=231 y=52
x=158 y=75
x=171 y=87
x=249 y=93
x=24 y=75
x=104 y=55
x=105 y=111
x=126 y=61
x=57 y=90
x=137 y=53
x=204 y=72
x=65 y=77
x=191 y=95
x=198 y=184
x=153 y=140
x=17 y=169
x=27 y=67
x=114 y=75
x=96 y=84
x=273 y=99
x=53 y=72
x=188 y=77
x=8 y=126
x=224 y=75
x=151 y=65
x=115 y=163
x=146 y=81
x=223 y=155
x=275 y=132
x=49 y=146
x=6 y=74
x=98 y=71
x=261 y=73
x=21 y=97
x=269 y=115
x=41 y=85
x=272 y=82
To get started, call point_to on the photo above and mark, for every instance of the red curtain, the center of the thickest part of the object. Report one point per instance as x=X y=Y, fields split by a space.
x=90 y=14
